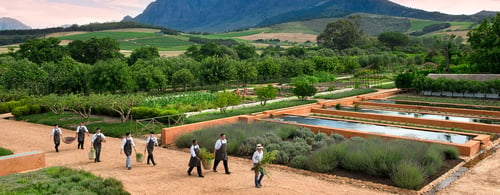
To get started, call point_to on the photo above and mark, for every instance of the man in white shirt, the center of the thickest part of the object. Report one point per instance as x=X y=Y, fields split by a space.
x=194 y=161
x=151 y=142
x=57 y=134
x=220 y=153
x=127 y=145
x=81 y=130
x=97 y=139
x=258 y=155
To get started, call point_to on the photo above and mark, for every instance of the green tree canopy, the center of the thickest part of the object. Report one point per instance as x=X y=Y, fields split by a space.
x=184 y=77
x=144 y=52
x=485 y=42
x=266 y=93
x=393 y=39
x=216 y=70
x=341 y=34
x=245 y=51
x=111 y=76
x=42 y=50
x=94 y=50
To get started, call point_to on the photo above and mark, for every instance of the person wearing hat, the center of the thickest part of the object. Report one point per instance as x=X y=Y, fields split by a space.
x=151 y=142
x=127 y=145
x=57 y=134
x=81 y=130
x=195 y=160
x=220 y=153
x=97 y=139
x=257 y=157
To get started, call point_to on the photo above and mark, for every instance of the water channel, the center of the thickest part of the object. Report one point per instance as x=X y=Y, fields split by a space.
x=421 y=115
x=396 y=131
x=474 y=107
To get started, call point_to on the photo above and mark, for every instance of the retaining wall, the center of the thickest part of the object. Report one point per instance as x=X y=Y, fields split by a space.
x=431 y=122
x=16 y=163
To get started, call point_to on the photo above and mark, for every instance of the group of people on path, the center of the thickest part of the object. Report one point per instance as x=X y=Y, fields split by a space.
x=220 y=150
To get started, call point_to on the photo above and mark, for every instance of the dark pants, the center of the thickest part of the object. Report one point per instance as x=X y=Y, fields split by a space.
x=258 y=178
x=198 y=169
x=216 y=163
x=80 y=145
x=150 y=157
x=97 y=148
x=56 y=146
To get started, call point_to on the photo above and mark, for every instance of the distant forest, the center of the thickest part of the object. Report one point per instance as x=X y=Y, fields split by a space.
x=18 y=36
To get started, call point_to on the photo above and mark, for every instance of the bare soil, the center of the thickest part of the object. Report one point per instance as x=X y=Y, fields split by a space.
x=169 y=176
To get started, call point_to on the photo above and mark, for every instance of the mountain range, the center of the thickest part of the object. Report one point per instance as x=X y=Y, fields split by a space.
x=12 y=24
x=228 y=15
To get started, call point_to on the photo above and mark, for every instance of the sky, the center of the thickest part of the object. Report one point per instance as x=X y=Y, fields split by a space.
x=53 y=13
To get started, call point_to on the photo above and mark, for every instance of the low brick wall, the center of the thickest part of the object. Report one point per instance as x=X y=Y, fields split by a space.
x=21 y=162
x=432 y=122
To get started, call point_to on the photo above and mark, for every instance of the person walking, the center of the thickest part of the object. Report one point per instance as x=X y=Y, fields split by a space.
x=220 y=153
x=195 y=160
x=151 y=142
x=257 y=157
x=57 y=135
x=127 y=145
x=81 y=130
x=97 y=140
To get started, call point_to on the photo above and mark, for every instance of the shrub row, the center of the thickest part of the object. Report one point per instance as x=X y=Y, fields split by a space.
x=350 y=93
x=4 y=152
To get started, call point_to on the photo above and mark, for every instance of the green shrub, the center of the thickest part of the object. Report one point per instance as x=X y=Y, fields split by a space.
x=34 y=109
x=299 y=162
x=4 y=152
x=323 y=160
x=432 y=161
x=4 y=108
x=407 y=174
x=20 y=111
x=450 y=152
x=13 y=104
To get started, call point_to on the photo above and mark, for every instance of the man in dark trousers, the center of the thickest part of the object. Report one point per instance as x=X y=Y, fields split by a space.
x=195 y=160
x=97 y=139
x=81 y=130
x=220 y=153
x=57 y=134
x=127 y=145
x=151 y=142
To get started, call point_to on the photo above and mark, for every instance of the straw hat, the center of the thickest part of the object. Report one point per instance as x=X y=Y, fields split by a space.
x=259 y=146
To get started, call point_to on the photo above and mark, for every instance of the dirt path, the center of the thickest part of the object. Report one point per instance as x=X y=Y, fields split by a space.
x=169 y=176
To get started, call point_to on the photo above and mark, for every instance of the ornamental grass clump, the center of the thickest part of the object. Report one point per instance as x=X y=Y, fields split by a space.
x=407 y=174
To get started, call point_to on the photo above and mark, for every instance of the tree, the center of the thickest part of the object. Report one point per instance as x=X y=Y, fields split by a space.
x=42 y=50
x=393 y=39
x=111 y=76
x=122 y=104
x=485 y=42
x=216 y=70
x=266 y=93
x=94 y=50
x=268 y=68
x=82 y=105
x=226 y=99
x=148 y=77
x=144 y=52
x=298 y=52
x=184 y=77
x=303 y=88
x=340 y=34
x=245 y=51
x=212 y=49
x=246 y=71
x=448 y=46
x=24 y=74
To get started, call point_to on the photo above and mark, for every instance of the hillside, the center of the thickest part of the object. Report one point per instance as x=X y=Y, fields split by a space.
x=220 y=16
x=12 y=24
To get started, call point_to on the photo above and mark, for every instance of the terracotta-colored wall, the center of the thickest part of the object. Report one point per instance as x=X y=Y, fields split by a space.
x=467 y=149
x=432 y=122
x=430 y=108
x=438 y=103
x=21 y=162
x=169 y=135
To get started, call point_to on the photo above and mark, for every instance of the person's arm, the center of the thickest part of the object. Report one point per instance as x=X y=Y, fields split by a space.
x=60 y=134
x=156 y=141
x=86 y=131
x=123 y=145
x=51 y=134
x=133 y=144
x=255 y=157
x=193 y=154
x=217 y=146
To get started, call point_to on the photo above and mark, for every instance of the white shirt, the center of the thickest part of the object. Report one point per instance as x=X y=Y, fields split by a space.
x=219 y=143
x=193 y=147
x=95 y=136
x=124 y=141
x=54 y=131
x=257 y=156
x=84 y=129
x=152 y=138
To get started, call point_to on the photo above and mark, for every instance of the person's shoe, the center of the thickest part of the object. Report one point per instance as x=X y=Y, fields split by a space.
x=215 y=170
x=257 y=186
x=147 y=163
x=229 y=172
x=154 y=164
x=129 y=168
x=260 y=185
x=98 y=160
x=201 y=176
x=189 y=173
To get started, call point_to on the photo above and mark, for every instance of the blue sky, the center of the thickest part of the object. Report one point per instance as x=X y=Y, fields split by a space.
x=51 y=13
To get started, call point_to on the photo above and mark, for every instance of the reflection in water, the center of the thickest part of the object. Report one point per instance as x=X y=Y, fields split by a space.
x=397 y=131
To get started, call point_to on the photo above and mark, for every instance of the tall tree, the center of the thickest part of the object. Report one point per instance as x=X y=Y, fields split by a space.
x=448 y=46
x=42 y=50
x=245 y=51
x=217 y=70
x=393 y=39
x=144 y=52
x=341 y=34
x=111 y=76
x=266 y=93
x=184 y=77
x=246 y=71
x=94 y=50
x=485 y=42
